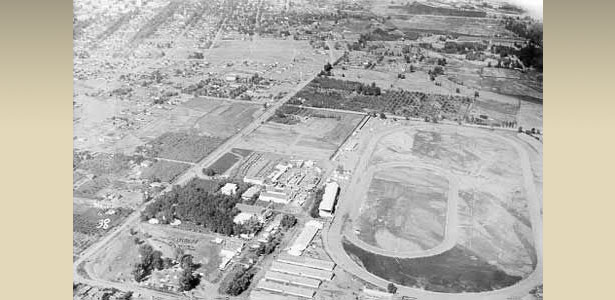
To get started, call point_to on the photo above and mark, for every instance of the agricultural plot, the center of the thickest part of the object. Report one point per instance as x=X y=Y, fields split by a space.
x=312 y=134
x=340 y=94
x=483 y=27
x=405 y=210
x=107 y=173
x=187 y=146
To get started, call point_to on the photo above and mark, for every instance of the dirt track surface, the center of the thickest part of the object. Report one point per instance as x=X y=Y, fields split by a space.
x=334 y=235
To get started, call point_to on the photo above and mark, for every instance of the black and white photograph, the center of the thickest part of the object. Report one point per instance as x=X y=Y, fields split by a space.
x=307 y=149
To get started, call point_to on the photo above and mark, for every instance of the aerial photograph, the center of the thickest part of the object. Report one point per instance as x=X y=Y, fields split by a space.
x=307 y=149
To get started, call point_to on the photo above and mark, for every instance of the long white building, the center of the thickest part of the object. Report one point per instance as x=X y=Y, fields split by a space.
x=327 y=205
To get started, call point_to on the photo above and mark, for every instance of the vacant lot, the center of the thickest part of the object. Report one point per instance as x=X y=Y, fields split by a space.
x=313 y=137
x=163 y=171
x=405 y=210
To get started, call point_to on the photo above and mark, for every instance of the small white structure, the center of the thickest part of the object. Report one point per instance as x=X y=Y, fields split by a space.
x=229 y=189
x=254 y=180
x=247 y=212
x=327 y=205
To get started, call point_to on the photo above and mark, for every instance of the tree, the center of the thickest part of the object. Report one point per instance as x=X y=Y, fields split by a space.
x=391 y=288
x=252 y=225
x=328 y=67
x=187 y=280
x=383 y=116
x=186 y=262
x=288 y=221
x=209 y=172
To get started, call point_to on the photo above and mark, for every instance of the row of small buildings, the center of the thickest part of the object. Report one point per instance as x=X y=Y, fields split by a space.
x=292 y=277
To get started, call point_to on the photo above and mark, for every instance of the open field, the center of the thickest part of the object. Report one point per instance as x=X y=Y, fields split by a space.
x=405 y=209
x=313 y=137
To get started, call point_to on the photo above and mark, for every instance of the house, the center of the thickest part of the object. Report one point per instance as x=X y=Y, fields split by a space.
x=249 y=211
x=229 y=189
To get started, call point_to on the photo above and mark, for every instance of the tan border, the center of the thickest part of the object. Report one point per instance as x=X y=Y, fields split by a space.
x=36 y=135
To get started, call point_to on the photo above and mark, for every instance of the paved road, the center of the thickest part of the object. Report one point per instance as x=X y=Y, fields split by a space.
x=332 y=238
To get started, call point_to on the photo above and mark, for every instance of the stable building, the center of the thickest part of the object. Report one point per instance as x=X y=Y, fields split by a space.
x=327 y=205
x=268 y=196
x=305 y=237
x=307 y=262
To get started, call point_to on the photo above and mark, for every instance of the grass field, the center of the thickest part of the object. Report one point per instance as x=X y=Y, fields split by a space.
x=405 y=209
x=229 y=160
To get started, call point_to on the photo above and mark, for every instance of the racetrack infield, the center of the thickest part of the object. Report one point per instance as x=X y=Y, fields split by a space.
x=405 y=209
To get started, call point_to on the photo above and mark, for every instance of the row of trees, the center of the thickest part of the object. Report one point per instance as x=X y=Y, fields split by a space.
x=314 y=212
x=237 y=281
x=150 y=259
